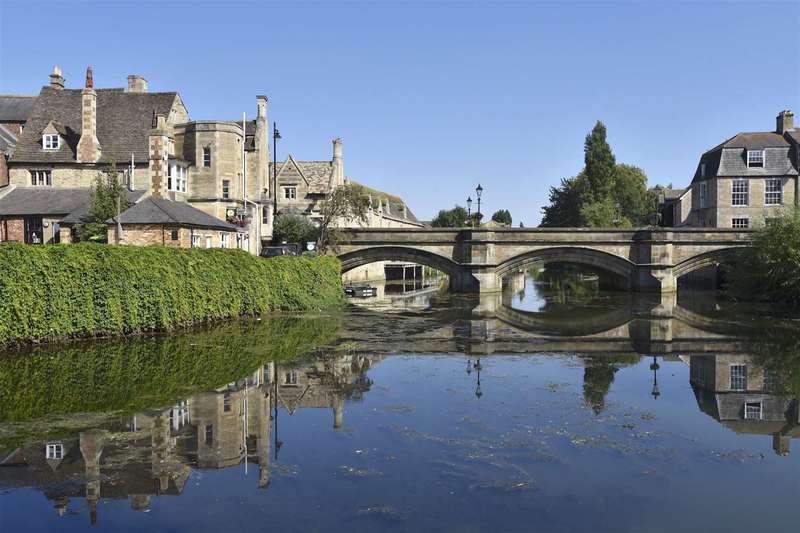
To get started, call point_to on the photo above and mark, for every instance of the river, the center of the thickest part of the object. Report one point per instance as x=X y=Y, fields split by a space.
x=549 y=407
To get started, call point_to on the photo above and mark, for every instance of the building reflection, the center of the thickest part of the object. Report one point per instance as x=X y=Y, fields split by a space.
x=745 y=397
x=152 y=454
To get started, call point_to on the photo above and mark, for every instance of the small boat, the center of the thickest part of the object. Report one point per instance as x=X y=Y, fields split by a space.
x=361 y=291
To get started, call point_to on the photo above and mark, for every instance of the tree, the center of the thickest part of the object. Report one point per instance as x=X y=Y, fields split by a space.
x=295 y=229
x=503 y=216
x=451 y=218
x=109 y=197
x=767 y=271
x=345 y=205
x=599 y=163
x=603 y=194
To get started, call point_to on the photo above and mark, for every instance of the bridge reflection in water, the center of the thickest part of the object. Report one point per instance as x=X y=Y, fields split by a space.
x=153 y=453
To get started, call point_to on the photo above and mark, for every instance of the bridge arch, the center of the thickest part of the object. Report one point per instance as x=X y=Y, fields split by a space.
x=589 y=257
x=706 y=259
x=364 y=256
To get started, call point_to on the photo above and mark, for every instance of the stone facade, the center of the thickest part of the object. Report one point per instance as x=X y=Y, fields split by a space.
x=172 y=236
x=730 y=185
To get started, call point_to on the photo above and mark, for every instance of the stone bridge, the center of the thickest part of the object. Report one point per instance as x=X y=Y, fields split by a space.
x=648 y=259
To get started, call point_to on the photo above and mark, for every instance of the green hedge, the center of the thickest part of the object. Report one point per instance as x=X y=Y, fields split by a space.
x=84 y=290
x=131 y=375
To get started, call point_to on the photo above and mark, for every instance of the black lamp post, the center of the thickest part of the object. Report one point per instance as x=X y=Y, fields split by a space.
x=275 y=136
x=478 y=192
x=469 y=366
x=478 y=368
x=654 y=367
x=469 y=210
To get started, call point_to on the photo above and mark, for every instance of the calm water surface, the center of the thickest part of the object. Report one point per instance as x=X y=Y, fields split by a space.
x=542 y=409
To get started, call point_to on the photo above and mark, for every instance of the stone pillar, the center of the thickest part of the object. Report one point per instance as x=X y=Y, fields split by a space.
x=262 y=146
x=88 y=149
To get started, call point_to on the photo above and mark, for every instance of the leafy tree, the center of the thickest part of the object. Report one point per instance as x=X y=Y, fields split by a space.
x=345 y=205
x=295 y=229
x=503 y=216
x=603 y=194
x=109 y=197
x=768 y=271
x=451 y=218
x=599 y=163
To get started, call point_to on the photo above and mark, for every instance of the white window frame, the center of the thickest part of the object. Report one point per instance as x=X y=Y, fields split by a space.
x=754 y=157
x=775 y=194
x=195 y=241
x=290 y=377
x=703 y=194
x=208 y=241
x=226 y=189
x=54 y=450
x=746 y=192
x=760 y=415
x=177 y=178
x=735 y=379
x=51 y=141
x=738 y=225
x=290 y=193
x=41 y=178
x=206 y=152
x=223 y=240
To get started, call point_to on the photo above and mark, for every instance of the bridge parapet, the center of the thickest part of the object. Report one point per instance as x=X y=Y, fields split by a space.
x=647 y=259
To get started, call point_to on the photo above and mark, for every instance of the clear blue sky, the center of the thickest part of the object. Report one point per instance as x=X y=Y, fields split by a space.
x=433 y=97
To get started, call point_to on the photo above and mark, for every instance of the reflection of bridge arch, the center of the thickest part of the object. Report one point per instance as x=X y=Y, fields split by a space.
x=571 y=323
x=364 y=256
x=707 y=259
x=589 y=257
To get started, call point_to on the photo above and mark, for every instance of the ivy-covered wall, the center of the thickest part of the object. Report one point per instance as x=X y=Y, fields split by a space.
x=86 y=290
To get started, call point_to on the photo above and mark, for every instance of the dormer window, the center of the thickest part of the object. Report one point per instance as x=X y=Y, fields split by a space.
x=755 y=158
x=50 y=141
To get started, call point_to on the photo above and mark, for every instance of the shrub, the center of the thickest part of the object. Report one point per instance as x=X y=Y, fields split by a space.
x=768 y=271
x=85 y=290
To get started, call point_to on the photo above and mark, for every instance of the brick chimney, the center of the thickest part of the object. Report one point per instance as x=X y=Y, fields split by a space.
x=136 y=84
x=158 y=155
x=785 y=121
x=337 y=172
x=57 y=79
x=88 y=150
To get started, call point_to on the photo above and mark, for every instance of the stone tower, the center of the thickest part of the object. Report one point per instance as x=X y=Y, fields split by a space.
x=158 y=150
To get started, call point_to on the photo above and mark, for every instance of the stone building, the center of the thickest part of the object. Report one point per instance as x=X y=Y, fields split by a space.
x=14 y=112
x=195 y=170
x=746 y=180
x=744 y=397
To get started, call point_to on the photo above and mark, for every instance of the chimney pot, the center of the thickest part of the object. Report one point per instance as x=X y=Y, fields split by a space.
x=89 y=78
x=785 y=120
x=56 y=78
x=136 y=84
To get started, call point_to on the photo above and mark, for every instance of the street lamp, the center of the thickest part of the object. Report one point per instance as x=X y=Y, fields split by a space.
x=469 y=210
x=478 y=191
x=275 y=136
x=654 y=367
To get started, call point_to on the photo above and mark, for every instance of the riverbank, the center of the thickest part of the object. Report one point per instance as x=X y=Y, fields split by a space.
x=78 y=291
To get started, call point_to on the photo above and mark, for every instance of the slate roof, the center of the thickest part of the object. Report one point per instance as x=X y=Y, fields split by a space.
x=43 y=201
x=15 y=107
x=161 y=211
x=77 y=215
x=730 y=157
x=124 y=120
x=7 y=140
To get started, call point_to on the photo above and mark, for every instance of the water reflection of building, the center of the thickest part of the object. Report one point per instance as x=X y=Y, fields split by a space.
x=149 y=454
x=743 y=396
